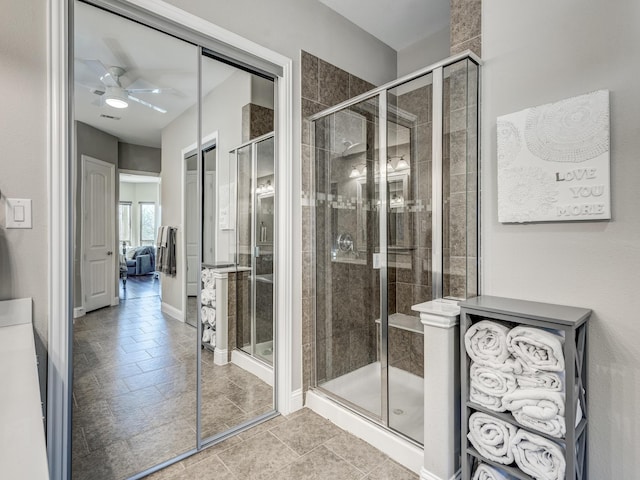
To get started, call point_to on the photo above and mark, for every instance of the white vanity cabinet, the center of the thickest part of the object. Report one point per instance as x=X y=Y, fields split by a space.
x=23 y=452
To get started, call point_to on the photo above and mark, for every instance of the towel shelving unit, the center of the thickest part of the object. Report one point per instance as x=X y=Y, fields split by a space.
x=570 y=320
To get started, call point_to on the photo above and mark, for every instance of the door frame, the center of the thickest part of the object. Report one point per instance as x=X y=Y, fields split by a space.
x=114 y=299
x=60 y=151
x=207 y=142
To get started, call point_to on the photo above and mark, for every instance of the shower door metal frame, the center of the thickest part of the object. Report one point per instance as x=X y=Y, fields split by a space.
x=437 y=71
x=254 y=201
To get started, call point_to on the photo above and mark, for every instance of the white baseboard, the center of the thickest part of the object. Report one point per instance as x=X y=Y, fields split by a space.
x=172 y=311
x=297 y=400
x=79 y=312
x=251 y=365
x=115 y=301
x=220 y=356
x=426 y=475
x=402 y=451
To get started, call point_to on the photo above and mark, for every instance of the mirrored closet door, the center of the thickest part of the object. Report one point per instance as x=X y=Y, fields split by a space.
x=173 y=160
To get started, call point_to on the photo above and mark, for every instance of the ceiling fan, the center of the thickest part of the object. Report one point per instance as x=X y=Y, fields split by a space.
x=112 y=91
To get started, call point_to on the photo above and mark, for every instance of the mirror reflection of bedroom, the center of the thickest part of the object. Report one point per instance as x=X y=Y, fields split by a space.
x=174 y=247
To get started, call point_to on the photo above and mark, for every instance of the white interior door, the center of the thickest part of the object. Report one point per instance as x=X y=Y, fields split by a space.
x=192 y=223
x=98 y=233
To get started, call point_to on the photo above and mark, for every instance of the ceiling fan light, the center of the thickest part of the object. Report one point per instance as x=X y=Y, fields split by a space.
x=116 y=97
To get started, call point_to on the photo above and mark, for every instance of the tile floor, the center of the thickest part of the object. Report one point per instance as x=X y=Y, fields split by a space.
x=134 y=407
x=134 y=390
x=302 y=446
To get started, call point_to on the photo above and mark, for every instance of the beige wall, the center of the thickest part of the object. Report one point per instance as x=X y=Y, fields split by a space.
x=542 y=51
x=222 y=112
x=424 y=52
x=23 y=167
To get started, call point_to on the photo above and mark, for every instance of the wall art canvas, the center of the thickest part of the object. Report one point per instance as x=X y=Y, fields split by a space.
x=553 y=161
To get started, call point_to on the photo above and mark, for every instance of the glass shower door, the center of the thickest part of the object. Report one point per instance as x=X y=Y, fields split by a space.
x=256 y=195
x=409 y=248
x=349 y=350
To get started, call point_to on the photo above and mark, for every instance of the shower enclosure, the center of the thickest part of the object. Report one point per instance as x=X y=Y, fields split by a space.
x=396 y=222
x=255 y=240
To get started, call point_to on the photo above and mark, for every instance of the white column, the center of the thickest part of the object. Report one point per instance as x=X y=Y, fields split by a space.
x=440 y=319
x=221 y=352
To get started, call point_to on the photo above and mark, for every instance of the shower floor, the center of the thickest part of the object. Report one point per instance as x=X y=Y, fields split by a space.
x=406 y=396
x=263 y=351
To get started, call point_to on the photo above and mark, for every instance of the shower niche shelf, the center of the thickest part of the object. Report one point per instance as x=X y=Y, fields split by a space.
x=404 y=322
x=571 y=322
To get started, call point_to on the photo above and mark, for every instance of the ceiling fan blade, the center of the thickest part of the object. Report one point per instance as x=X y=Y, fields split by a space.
x=147 y=104
x=151 y=90
x=103 y=72
x=119 y=53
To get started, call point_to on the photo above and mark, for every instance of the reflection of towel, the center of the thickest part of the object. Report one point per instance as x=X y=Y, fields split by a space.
x=167 y=253
x=487 y=472
x=209 y=316
x=486 y=344
x=208 y=278
x=538 y=457
x=491 y=437
x=537 y=349
x=206 y=335
x=489 y=385
x=159 y=236
x=547 y=380
x=208 y=296
x=166 y=231
x=539 y=409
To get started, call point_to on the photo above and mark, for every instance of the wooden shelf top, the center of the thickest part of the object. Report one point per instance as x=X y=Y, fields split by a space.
x=546 y=312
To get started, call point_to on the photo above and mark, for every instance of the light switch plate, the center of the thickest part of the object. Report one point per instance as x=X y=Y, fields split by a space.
x=18 y=213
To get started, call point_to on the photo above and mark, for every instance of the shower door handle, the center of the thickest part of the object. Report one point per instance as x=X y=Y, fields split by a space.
x=257 y=252
x=376 y=261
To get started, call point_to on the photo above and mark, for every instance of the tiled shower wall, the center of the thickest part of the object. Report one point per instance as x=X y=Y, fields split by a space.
x=323 y=85
x=466 y=26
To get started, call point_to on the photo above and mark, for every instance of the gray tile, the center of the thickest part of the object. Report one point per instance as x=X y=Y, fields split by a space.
x=267 y=454
x=309 y=75
x=114 y=461
x=208 y=468
x=305 y=432
x=318 y=464
x=256 y=397
x=161 y=443
x=134 y=347
x=211 y=451
x=333 y=84
x=156 y=363
x=355 y=451
x=390 y=470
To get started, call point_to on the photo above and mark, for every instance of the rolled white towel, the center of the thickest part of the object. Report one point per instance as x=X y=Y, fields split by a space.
x=207 y=296
x=486 y=343
x=491 y=402
x=206 y=275
x=538 y=457
x=206 y=335
x=488 y=385
x=209 y=316
x=537 y=349
x=487 y=472
x=546 y=380
x=491 y=437
x=539 y=409
x=212 y=341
